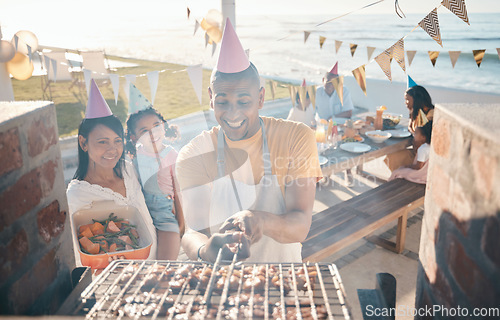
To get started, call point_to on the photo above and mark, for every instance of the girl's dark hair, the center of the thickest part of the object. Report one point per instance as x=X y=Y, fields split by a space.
x=421 y=99
x=171 y=132
x=426 y=131
x=85 y=128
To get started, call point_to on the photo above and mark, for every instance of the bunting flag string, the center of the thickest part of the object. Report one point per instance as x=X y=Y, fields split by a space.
x=337 y=45
x=353 y=48
x=369 y=51
x=454 y=57
x=321 y=41
x=360 y=76
x=478 y=56
x=410 y=54
x=306 y=35
x=430 y=24
x=458 y=8
x=433 y=55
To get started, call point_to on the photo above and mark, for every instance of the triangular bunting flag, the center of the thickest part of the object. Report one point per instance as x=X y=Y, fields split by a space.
x=53 y=62
x=337 y=45
x=129 y=78
x=29 y=52
x=115 y=83
x=398 y=52
x=16 y=41
x=360 y=76
x=478 y=56
x=188 y=12
x=458 y=8
x=338 y=84
x=153 y=78
x=207 y=39
x=430 y=24
x=87 y=76
x=195 y=74
x=369 y=52
x=196 y=26
x=293 y=92
x=321 y=41
x=214 y=47
x=306 y=35
x=302 y=95
x=47 y=64
x=353 y=48
x=384 y=61
x=247 y=52
x=410 y=54
x=312 y=94
x=454 y=57
x=433 y=55
x=273 y=89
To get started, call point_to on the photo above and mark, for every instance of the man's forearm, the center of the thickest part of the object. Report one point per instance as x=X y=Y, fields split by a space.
x=191 y=242
x=286 y=228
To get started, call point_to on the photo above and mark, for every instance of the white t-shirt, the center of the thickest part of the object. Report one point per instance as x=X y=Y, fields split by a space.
x=329 y=106
x=304 y=116
x=423 y=152
x=81 y=194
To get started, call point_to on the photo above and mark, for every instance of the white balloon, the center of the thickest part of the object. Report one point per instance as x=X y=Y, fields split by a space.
x=26 y=38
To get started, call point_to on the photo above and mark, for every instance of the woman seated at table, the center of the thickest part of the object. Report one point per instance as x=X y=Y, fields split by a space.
x=102 y=173
x=419 y=104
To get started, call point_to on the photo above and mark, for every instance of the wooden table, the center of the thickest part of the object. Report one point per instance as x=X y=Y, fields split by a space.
x=340 y=160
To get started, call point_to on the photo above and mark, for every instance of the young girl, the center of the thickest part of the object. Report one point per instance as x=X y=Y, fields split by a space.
x=154 y=159
x=417 y=171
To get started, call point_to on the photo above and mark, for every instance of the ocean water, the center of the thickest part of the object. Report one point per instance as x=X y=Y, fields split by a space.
x=172 y=40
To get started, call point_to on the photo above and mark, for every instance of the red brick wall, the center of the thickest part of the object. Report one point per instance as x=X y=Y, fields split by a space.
x=35 y=254
x=459 y=246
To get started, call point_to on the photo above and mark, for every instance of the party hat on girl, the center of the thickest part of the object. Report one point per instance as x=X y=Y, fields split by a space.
x=411 y=83
x=97 y=107
x=137 y=101
x=232 y=57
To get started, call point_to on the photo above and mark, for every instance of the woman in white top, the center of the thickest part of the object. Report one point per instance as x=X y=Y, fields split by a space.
x=302 y=112
x=103 y=174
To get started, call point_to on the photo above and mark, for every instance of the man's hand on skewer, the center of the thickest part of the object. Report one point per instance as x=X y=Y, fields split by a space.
x=247 y=222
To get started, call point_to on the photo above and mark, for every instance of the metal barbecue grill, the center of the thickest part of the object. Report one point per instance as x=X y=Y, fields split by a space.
x=136 y=289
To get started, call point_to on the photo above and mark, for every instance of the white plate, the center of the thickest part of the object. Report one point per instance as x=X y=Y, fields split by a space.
x=322 y=160
x=402 y=133
x=355 y=147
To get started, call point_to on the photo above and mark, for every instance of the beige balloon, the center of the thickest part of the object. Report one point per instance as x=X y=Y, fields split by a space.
x=7 y=51
x=20 y=67
x=25 y=38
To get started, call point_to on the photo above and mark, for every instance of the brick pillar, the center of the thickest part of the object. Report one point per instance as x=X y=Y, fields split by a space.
x=36 y=256
x=460 y=240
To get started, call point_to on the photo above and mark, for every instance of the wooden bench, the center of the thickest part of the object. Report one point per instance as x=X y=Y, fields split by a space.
x=339 y=226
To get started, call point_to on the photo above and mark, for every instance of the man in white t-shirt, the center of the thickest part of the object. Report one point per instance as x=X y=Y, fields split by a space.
x=328 y=105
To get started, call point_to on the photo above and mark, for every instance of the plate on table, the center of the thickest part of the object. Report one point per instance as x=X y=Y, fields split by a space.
x=355 y=147
x=322 y=160
x=399 y=133
x=356 y=138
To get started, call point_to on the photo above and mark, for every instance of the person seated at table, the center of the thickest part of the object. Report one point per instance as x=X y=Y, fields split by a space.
x=421 y=110
x=303 y=111
x=328 y=105
x=417 y=171
x=247 y=185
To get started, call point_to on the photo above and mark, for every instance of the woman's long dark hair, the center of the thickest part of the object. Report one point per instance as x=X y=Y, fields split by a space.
x=171 y=132
x=86 y=127
x=421 y=99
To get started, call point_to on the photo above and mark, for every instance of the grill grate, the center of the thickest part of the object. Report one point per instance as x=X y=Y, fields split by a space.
x=135 y=289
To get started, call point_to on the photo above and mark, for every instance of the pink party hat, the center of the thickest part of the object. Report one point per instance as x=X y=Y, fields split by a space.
x=335 y=69
x=96 y=106
x=304 y=82
x=232 y=57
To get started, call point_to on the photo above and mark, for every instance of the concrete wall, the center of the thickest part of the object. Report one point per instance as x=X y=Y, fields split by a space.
x=459 y=245
x=35 y=254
